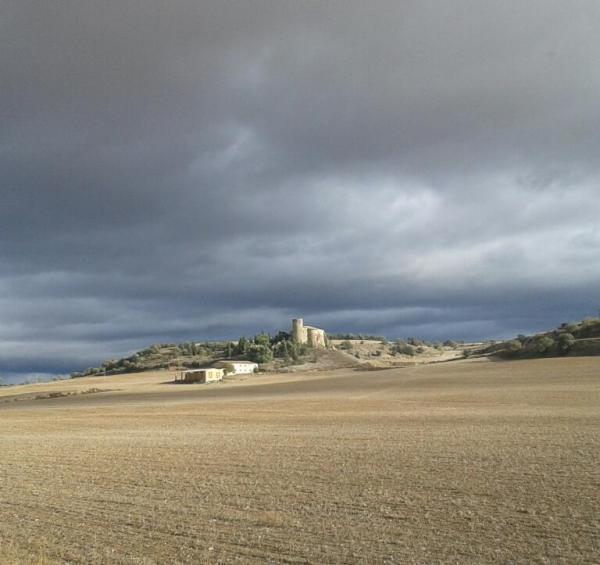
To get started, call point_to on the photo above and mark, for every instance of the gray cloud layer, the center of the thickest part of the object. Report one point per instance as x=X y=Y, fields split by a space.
x=202 y=169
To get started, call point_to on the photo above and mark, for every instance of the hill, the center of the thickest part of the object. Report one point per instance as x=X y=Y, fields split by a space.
x=271 y=352
x=160 y=356
x=576 y=338
x=280 y=353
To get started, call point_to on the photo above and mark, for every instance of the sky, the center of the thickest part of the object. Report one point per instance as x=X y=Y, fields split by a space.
x=185 y=170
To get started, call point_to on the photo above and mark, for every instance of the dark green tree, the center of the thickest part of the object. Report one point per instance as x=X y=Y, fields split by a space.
x=262 y=339
x=281 y=336
x=260 y=353
x=242 y=346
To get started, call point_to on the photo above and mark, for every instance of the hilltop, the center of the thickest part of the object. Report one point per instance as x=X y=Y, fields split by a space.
x=271 y=352
x=570 y=338
x=280 y=353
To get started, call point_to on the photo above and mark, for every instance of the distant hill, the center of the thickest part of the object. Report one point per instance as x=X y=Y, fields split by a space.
x=160 y=356
x=577 y=338
x=269 y=351
x=278 y=351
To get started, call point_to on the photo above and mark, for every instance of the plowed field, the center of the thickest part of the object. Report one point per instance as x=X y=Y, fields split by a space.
x=462 y=462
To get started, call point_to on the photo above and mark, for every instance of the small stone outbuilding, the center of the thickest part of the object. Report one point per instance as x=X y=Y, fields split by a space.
x=209 y=375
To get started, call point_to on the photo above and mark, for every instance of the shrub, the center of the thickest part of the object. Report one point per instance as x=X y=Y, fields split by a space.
x=403 y=348
x=345 y=345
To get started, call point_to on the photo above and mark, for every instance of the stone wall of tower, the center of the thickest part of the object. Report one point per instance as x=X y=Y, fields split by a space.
x=299 y=333
x=316 y=337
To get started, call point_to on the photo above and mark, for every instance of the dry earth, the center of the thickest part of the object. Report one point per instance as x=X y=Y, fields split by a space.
x=463 y=462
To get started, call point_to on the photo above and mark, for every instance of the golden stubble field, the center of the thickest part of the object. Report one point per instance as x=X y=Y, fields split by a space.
x=464 y=462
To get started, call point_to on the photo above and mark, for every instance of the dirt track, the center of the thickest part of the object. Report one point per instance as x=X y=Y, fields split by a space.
x=469 y=462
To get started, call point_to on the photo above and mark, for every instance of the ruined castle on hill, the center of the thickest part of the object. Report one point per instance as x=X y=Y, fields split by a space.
x=314 y=337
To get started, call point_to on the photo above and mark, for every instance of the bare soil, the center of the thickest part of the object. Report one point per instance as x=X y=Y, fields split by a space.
x=461 y=462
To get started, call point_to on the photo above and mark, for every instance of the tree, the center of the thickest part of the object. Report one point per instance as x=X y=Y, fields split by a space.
x=544 y=344
x=280 y=337
x=242 y=346
x=188 y=349
x=260 y=354
x=296 y=350
x=228 y=368
x=282 y=349
x=262 y=339
x=566 y=342
x=514 y=346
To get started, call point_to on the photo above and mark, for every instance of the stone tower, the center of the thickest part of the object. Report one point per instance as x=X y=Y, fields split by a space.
x=298 y=331
x=314 y=337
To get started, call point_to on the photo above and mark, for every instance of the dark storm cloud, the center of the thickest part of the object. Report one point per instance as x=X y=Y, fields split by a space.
x=192 y=170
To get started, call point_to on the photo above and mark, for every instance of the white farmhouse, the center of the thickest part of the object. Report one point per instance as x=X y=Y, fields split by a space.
x=240 y=367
